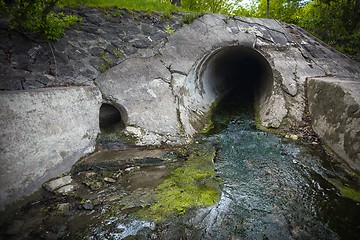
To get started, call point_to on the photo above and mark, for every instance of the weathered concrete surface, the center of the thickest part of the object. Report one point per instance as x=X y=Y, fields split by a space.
x=335 y=111
x=143 y=88
x=187 y=62
x=188 y=55
x=42 y=134
x=163 y=84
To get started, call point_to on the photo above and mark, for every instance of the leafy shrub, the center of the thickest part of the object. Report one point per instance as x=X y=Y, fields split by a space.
x=36 y=17
x=56 y=24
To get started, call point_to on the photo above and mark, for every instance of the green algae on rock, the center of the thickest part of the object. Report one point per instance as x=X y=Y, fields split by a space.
x=350 y=193
x=191 y=185
x=346 y=191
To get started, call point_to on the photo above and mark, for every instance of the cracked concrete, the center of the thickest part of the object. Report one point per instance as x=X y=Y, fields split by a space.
x=188 y=55
x=166 y=83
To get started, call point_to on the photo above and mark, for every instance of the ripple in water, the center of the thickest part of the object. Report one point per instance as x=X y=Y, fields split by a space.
x=274 y=188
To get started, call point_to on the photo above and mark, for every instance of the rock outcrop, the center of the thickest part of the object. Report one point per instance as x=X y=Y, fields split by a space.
x=163 y=77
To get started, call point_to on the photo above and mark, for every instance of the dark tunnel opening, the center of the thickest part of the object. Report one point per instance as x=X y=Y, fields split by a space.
x=240 y=80
x=239 y=76
x=111 y=118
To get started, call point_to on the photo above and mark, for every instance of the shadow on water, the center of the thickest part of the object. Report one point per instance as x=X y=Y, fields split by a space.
x=272 y=188
x=233 y=105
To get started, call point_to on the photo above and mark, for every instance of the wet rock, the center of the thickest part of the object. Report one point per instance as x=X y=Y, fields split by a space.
x=22 y=228
x=57 y=183
x=32 y=84
x=112 y=145
x=71 y=211
x=143 y=43
x=109 y=180
x=129 y=169
x=21 y=61
x=93 y=184
x=56 y=232
x=63 y=207
x=65 y=189
x=292 y=136
x=88 y=205
x=15 y=227
x=13 y=84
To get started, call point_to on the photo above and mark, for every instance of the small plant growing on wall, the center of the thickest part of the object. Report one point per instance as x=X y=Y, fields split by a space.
x=105 y=57
x=117 y=53
x=106 y=61
x=169 y=30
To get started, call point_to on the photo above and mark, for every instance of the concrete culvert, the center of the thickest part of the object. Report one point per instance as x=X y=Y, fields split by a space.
x=112 y=118
x=238 y=74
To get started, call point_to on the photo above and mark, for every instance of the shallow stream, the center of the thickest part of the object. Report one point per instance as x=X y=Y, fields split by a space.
x=272 y=187
x=276 y=188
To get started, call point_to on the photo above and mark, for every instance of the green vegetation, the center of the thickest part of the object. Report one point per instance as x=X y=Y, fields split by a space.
x=36 y=18
x=346 y=190
x=106 y=61
x=105 y=57
x=336 y=22
x=117 y=53
x=166 y=16
x=169 y=30
x=190 y=17
x=152 y=5
x=350 y=193
x=191 y=185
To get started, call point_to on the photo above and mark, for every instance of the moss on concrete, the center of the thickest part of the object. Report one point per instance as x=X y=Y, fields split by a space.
x=209 y=125
x=346 y=190
x=191 y=185
x=350 y=193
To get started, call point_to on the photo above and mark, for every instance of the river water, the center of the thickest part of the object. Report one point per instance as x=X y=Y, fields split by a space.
x=272 y=187
x=275 y=188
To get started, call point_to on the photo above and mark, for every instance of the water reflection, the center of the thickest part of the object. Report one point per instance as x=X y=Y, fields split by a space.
x=274 y=188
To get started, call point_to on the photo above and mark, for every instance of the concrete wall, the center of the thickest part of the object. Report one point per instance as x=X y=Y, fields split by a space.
x=42 y=134
x=160 y=82
x=335 y=111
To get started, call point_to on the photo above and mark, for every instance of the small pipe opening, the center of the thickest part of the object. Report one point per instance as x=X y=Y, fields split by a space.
x=110 y=118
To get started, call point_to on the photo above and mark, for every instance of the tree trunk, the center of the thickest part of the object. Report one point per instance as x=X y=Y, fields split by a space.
x=267 y=8
x=176 y=2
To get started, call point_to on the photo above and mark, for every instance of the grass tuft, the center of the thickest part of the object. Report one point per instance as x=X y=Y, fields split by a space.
x=147 y=5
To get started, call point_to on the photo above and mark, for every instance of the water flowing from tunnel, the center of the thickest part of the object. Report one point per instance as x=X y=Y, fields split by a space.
x=272 y=188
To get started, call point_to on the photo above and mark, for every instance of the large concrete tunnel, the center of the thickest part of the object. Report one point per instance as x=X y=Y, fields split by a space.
x=238 y=74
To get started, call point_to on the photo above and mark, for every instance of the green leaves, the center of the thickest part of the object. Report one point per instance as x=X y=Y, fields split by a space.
x=55 y=24
x=37 y=17
x=335 y=22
